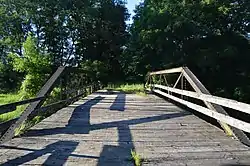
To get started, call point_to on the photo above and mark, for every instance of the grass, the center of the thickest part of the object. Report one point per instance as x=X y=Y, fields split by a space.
x=128 y=88
x=28 y=124
x=11 y=98
x=141 y=93
x=136 y=158
x=12 y=115
x=14 y=97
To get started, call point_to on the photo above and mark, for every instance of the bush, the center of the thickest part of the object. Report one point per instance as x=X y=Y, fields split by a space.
x=10 y=80
x=95 y=71
x=34 y=64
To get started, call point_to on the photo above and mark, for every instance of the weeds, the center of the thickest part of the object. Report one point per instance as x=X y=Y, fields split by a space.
x=28 y=124
x=128 y=88
x=136 y=158
x=9 y=98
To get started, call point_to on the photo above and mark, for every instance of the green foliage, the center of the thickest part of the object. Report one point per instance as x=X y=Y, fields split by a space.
x=54 y=96
x=1 y=67
x=86 y=29
x=94 y=70
x=9 y=98
x=128 y=88
x=205 y=35
x=9 y=79
x=32 y=60
x=87 y=34
x=31 y=85
x=34 y=64
x=12 y=115
x=136 y=158
x=70 y=31
x=28 y=124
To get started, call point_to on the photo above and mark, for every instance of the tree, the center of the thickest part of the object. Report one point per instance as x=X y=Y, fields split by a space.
x=207 y=36
x=35 y=66
x=72 y=32
x=9 y=79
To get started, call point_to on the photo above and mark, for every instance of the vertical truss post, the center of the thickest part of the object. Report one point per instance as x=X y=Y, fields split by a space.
x=147 y=81
x=150 y=82
x=166 y=83
x=160 y=79
x=182 y=85
x=153 y=81
x=185 y=87
x=165 y=79
x=200 y=88
x=45 y=90
x=177 y=81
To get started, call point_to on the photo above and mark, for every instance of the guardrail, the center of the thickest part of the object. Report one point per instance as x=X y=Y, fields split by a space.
x=159 y=83
x=72 y=85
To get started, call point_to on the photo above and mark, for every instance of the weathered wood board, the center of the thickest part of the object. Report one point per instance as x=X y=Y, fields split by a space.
x=102 y=128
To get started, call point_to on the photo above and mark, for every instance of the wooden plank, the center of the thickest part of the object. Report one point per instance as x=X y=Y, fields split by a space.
x=165 y=79
x=177 y=81
x=54 y=106
x=218 y=116
x=200 y=88
x=90 y=133
x=169 y=71
x=209 y=98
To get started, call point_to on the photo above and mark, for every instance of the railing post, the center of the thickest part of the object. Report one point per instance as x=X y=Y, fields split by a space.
x=200 y=88
x=182 y=85
x=46 y=89
x=185 y=88
x=150 y=82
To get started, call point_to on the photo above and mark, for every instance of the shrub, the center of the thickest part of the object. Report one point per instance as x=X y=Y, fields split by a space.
x=34 y=64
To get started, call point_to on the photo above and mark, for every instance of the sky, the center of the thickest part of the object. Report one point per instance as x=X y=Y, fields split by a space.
x=131 y=6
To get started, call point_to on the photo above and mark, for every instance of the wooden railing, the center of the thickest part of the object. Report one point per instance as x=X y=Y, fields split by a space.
x=72 y=84
x=175 y=88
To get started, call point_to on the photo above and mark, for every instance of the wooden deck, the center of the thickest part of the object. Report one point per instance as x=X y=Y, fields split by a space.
x=103 y=128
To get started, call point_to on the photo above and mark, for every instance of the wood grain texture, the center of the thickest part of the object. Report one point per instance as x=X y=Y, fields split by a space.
x=168 y=71
x=238 y=106
x=211 y=113
x=102 y=128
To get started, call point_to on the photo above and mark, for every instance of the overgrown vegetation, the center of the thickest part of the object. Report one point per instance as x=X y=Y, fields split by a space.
x=35 y=65
x=128 y=88
x=28 y=124
x=10 y=98
x=211 y=37
x=10 y=80
x=72 y=33
x=136 y=158
x=13 y=114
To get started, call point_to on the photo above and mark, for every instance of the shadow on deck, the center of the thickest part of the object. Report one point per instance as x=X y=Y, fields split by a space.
x=79 y=123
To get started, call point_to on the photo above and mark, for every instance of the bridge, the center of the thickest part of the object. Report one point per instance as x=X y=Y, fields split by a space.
x=177 y=123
